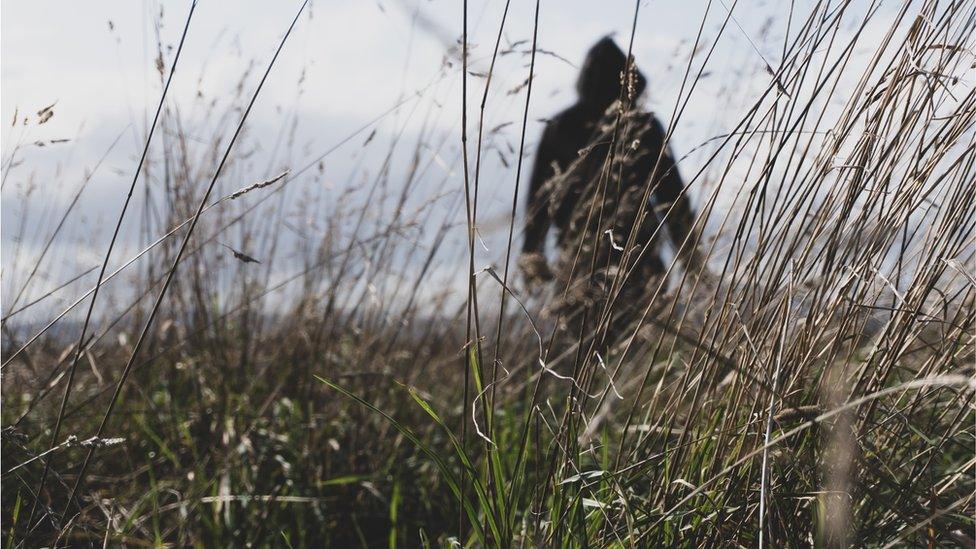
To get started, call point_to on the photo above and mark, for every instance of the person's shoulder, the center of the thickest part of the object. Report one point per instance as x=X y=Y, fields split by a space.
x=574 y=115
x=644 y=117
x=647 y=121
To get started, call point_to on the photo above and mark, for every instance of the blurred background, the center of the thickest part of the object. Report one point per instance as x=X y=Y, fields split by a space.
x=359 y=87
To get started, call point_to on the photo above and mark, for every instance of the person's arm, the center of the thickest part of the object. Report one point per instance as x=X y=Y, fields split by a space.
x=537 y=207
x=669 y=194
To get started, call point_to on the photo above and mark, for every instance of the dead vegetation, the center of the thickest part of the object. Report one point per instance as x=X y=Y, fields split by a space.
x=809 y=383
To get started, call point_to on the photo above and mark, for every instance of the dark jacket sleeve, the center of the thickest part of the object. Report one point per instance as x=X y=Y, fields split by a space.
x=537 y=208
x=669 y=190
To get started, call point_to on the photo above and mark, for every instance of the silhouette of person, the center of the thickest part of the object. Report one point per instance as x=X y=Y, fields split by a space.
x=596 y=164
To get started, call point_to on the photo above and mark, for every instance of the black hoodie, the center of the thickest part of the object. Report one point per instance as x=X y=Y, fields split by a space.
x=587 y=125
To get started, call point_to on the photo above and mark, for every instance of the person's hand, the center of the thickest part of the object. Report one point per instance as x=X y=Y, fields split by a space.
x=534 y=267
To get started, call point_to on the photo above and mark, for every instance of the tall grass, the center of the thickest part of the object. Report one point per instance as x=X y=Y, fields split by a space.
x=302 y=375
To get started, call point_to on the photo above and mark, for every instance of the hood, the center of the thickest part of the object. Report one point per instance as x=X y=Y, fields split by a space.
x=599 y=79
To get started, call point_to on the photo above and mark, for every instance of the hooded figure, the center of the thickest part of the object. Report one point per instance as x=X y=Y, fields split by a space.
x=597 y=163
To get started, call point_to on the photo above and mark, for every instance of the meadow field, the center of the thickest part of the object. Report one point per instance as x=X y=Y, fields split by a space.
x=235 y=317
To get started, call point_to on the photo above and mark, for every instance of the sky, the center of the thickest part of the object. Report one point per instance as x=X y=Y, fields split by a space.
x=348 y=62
